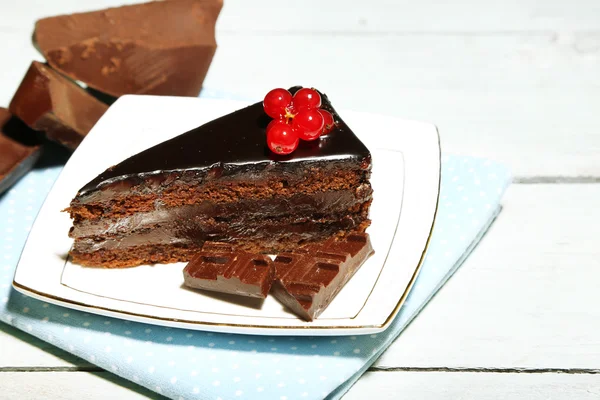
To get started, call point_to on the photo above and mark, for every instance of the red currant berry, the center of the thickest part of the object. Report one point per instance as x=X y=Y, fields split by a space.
x=328 y=124
x=306 y=98
x=276 y=103
x=281 y=138
x=308 y=124
x=273 y=122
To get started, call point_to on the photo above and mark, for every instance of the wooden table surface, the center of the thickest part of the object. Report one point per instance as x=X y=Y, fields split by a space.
x=517 y=81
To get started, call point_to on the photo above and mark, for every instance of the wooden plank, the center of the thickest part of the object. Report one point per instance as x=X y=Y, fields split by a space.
x=342 y=16
x=496 y=65
x=20 y=350
x=526 y=296
x=476 y=386
x=387 y=385
x=70 y=385
x=388 y=16
x=528 y=101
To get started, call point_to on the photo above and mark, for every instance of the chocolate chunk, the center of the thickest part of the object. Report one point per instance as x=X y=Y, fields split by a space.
x=49 y=102
x=220 y=268
x=161 y=47
x=18 y=151
x=307 y=280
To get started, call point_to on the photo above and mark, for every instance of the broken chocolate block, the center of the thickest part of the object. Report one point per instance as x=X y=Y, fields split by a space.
x=18 y=149
x=307 y=280
x=161 y=47
x=49 y=102
x=219 y=268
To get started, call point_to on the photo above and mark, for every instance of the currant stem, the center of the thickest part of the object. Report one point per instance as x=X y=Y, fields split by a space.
x=288 y=116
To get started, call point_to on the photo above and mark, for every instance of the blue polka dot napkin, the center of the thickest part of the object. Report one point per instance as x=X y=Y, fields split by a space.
x=184 y=364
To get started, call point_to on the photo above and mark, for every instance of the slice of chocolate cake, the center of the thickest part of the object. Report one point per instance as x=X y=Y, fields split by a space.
x=220 y=182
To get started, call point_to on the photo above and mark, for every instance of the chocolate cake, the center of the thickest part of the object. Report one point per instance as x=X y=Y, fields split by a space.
x=220 y=182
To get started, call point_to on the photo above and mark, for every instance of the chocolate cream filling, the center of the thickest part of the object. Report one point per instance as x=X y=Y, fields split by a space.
x=323 y=203
x=193 y=233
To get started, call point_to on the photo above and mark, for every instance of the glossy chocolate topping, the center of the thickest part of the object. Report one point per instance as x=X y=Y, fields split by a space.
x=233 y=144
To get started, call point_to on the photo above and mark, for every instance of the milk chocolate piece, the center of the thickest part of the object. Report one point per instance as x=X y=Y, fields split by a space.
x=49 y=102
x=307 y=280
x=18 y=151
x=161 y=47
x=220 y=268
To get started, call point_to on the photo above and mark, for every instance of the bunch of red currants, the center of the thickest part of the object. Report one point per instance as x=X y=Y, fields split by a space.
x=295 y=117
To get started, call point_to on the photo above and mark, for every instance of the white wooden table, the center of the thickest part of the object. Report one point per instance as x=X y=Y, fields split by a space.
x=517 y=81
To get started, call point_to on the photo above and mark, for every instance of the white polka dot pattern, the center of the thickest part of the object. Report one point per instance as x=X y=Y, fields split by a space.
x=201 y=365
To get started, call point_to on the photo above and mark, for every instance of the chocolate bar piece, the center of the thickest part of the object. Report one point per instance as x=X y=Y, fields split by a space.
x=220 y=268
x=307 y=280
x=160 y=47
x=49 y=102
x=18 y=149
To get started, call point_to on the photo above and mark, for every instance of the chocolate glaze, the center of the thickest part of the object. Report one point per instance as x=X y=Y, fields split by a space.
x=230 y=145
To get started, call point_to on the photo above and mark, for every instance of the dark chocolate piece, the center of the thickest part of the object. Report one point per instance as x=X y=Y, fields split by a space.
x=18 y=149
x=160 y=47
x=220 y=268
x=232 y=144
x=49 y=102
x=307 y=280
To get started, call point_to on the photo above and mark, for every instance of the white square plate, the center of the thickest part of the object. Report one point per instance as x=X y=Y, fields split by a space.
x=406 y=177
